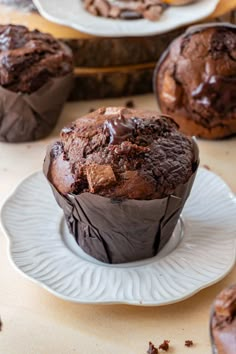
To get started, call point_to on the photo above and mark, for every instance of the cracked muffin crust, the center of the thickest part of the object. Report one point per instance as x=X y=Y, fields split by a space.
x=122 y=153
x=28 y=59
x=195 y=81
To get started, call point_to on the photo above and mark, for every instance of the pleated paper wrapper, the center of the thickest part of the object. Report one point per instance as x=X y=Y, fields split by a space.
x=29 y=117
x=121 y=231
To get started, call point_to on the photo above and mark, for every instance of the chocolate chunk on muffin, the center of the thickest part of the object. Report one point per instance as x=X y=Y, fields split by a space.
x=122 y=177
x=195 y=81
x=35 y=79
x=223 y=322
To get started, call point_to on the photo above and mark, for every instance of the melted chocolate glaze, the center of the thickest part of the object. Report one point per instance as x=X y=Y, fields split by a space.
x=119 y=129
x=217 y=92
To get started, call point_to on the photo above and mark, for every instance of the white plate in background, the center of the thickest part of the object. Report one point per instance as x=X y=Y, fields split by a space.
x=71 y=13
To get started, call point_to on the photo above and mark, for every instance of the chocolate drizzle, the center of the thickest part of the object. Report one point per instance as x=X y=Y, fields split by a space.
x=119 y=129
x=217 y=92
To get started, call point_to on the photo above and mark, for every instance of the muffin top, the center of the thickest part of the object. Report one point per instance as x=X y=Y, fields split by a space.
x=196 y=76
x=29 y=58
x=121 y=153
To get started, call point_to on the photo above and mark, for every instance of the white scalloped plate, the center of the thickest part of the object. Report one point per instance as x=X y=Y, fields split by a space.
x=71 y=13
x=200 y=253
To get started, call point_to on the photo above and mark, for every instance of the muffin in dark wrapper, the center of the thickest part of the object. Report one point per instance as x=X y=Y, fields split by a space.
x=122 y=177
x=195 y=80
x=223 y=322
x=36 y=76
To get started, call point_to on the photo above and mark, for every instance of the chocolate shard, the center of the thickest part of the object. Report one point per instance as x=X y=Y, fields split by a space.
x=165 y=345
x=152 y=349
x=100 y=176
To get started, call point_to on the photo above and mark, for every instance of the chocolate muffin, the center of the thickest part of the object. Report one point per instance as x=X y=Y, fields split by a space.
x=223 y=322
x=35 y=80
x=127 y=173
x=195 y=80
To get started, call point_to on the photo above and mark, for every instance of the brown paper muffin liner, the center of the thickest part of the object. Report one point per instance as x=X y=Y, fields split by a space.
x=120 y=231
x=29 y=117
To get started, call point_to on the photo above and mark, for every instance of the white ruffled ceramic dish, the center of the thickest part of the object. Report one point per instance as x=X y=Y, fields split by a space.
x=200 y=253
x=71 y=13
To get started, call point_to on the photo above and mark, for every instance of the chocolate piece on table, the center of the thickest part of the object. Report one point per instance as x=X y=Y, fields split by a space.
x=152 y=349
x=129 y=104
x=188 y=343
x=165 y=345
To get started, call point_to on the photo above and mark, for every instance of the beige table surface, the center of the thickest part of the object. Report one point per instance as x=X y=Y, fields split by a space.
x=36 y=322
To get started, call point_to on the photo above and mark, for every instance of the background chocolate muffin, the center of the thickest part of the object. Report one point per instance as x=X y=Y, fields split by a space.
x=195 y=80
x=35 y=78
x=223 y=322
x=122 y=177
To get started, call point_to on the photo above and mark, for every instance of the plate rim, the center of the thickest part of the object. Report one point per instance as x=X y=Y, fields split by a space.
x=135 y=302
x=95 y=31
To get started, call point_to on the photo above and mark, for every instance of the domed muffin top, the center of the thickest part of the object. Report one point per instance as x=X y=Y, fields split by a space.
x=196 y=76
x=118 y=152
x=29 y=58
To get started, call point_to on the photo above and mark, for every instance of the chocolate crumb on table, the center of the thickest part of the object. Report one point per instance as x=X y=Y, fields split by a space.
x=152 y=349
x=129 y=104
x=0 y=324
x=188 y=343
x=165 y=345
x=206 y=167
